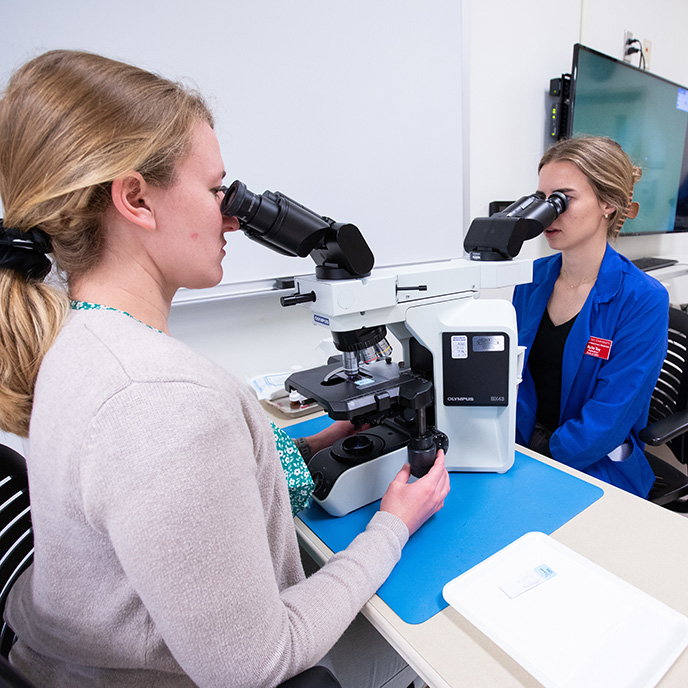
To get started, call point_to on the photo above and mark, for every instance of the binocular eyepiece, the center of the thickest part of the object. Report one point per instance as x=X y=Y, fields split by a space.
x=538 y=208
x=287 y=227
x=501 y=236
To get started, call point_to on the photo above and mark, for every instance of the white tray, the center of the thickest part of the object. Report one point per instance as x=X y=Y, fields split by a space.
x=566 y=620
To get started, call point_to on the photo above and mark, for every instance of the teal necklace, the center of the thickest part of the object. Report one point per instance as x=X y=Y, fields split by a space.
x=86 y=306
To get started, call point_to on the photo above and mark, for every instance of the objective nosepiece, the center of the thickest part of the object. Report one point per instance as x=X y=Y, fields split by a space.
x=367 y=345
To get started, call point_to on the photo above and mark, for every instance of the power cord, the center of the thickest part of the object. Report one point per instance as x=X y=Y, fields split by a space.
x=632 y=49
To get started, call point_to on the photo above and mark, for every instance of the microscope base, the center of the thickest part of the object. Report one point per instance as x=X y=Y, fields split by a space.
x=362 y=484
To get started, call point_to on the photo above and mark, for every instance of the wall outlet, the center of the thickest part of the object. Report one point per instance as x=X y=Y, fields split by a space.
x=647 y=52
x=628 y=36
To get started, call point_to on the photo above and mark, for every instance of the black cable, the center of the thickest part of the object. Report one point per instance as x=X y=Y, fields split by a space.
x=631 y=49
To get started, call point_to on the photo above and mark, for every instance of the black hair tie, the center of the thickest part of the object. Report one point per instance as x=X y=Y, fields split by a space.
x=25 y=252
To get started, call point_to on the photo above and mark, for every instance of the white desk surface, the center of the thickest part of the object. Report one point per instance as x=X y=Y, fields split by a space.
x=675 y=279
x=640 y=542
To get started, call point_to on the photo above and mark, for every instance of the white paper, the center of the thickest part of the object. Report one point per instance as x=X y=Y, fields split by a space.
x=269 y=385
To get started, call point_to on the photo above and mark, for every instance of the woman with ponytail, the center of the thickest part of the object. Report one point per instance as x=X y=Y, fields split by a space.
x=594 y=326
x=165 y=549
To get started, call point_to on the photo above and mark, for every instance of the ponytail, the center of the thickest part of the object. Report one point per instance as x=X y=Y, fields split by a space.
x=31 y=315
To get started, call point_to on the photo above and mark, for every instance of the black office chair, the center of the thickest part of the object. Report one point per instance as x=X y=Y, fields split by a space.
x=668 y=419
x=16 y=548
x=16 y=533
x=16 y=554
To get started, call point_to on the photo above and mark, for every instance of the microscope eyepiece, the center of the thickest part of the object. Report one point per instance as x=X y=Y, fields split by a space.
x=239 y=202
x=536 y=210
x=287 y=227
x=558 y=201
x=500 y=236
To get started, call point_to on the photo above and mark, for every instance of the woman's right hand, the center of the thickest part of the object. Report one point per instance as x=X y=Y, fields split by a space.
x=415 y=502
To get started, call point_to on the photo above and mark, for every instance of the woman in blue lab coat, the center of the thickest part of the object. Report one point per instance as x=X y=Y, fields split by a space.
x=594 y=325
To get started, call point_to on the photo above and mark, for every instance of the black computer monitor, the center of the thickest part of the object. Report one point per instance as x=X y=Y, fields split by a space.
x=648 y=116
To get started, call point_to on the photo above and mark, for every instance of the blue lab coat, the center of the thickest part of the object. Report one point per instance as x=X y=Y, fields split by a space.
x=604 y=403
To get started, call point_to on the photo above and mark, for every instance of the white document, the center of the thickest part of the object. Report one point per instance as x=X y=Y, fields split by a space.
x=566 y=620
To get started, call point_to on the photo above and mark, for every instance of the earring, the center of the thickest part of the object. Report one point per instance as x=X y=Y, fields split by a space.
x=606 y=216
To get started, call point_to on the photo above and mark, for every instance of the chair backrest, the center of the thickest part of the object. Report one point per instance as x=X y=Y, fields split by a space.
x=671 y=391
x=16 y=533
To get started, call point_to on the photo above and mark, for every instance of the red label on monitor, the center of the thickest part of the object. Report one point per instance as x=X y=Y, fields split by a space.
x=599 y=348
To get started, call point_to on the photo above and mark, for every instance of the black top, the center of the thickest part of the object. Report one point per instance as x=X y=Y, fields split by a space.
x=544 y=363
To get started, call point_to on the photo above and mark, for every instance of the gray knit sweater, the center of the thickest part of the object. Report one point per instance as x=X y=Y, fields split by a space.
x=165 y=549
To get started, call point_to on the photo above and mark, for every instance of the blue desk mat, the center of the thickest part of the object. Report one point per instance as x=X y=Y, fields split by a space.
x=483 y=513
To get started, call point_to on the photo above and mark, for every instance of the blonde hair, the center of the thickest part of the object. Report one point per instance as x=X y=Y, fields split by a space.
x=70 y=123
x=608 y=170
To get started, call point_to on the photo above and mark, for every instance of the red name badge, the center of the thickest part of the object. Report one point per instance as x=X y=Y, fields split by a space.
x=599 y=348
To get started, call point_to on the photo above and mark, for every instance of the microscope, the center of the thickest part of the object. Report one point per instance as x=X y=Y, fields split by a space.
x=453 y=386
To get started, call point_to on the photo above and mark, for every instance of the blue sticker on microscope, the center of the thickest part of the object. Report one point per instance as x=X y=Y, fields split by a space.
x=364 y=381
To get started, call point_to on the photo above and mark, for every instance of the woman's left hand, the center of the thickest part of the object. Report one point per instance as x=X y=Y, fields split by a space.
x=327 y=437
